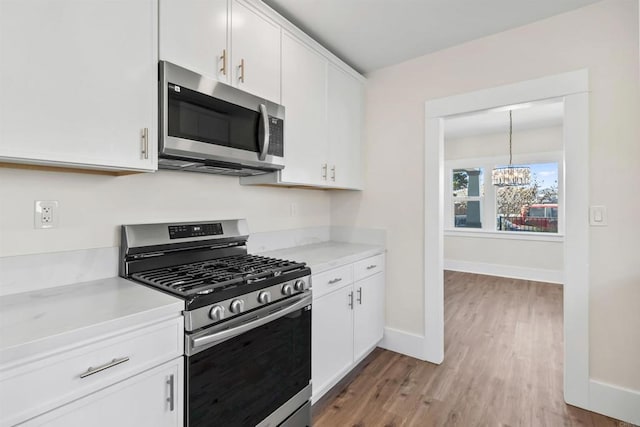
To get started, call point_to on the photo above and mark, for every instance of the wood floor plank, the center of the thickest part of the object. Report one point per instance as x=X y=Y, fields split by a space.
x=502 y=367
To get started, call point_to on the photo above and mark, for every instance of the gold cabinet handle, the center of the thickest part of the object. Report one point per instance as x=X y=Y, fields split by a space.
x=241 y=67
x=223 y=70
x=144 y=136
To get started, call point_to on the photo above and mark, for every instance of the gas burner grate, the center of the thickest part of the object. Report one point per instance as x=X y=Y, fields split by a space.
x=215 y=275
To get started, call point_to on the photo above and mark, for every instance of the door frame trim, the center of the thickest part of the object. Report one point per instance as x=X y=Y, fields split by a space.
x=573 y=88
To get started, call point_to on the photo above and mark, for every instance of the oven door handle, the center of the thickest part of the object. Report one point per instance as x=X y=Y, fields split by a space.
x=264 y=144
x=216 y=337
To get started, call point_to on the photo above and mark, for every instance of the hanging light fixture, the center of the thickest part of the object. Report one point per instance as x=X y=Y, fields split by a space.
x=509 y=176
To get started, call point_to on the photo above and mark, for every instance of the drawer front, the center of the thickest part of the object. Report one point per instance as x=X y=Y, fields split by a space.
x=331 y=280
x=368 y=267
x=40 y=386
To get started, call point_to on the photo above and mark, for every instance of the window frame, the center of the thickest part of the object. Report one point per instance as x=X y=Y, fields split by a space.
x=488 y=199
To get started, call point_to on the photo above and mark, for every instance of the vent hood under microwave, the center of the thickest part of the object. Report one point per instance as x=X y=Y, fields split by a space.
x=211 y=127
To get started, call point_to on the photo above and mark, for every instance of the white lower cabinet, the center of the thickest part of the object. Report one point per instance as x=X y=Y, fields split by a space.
x=331 y=338
x=127 y=377
x=368 y=320
x=152 y=398
x=347 y=322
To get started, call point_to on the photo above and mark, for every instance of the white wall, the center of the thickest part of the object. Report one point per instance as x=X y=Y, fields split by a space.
x=92 y=207
x=536 y=260
x=497 y=144
x=602 y=37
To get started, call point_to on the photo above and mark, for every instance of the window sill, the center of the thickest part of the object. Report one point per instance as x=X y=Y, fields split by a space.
x=508 y=235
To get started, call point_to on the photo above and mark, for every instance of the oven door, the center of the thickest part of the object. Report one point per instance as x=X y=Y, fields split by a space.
x=203 y=119
x=254 y=370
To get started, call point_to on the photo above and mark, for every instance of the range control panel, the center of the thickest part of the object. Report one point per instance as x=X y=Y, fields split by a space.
x=194 y=230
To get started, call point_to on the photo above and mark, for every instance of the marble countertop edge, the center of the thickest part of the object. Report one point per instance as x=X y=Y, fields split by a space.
x=324 y=256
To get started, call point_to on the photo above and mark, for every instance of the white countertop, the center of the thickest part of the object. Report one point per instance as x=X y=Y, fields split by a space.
x=37 y=322
x=327 y=255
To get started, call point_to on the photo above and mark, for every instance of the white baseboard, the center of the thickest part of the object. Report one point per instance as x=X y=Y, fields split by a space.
x=501 y=270
x=403 y=342
x=614 y=401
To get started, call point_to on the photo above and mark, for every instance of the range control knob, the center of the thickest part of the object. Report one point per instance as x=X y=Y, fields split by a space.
x=300 y=285
x=216 y=313
x=287 y=289
x=237 y=306
x=264 y=297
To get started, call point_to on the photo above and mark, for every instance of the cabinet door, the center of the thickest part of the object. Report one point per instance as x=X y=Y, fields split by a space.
x=193 y=34
x=255 y=55
x=331 y=339
x=346 y=107
x=304 y=96
x=369 y=314
x=79 y=82
x=153 y=398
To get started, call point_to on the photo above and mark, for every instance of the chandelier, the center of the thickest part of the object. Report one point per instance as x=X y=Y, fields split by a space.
x=509 y=176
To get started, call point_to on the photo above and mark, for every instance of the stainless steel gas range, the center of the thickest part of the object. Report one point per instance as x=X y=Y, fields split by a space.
x=247 y=321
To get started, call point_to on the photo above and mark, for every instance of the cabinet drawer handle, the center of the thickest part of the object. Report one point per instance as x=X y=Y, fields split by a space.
x=171 y=398
x=360 y=295
x=241 y=67
x=223 y=70
x=351 y=300
x=333 y=173
x=111 y=364
x=369 y=267
x=324 y=171
x=336 y=280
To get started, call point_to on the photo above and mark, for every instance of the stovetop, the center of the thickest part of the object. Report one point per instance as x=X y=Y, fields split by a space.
x=216 y=275
x=205 y=262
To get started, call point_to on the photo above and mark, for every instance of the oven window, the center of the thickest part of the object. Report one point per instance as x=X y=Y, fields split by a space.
x=241 y=381
x=198 y=117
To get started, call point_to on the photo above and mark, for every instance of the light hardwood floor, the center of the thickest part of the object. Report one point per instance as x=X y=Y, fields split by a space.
x=502 y=367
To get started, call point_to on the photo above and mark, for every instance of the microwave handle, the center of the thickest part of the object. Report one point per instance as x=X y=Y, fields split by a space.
x=264 y=144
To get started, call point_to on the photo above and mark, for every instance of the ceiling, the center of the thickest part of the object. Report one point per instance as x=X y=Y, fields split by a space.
x=529 y=116
x=372 y=34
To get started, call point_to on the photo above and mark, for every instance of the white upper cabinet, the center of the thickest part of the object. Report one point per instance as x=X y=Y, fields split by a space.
x=79 y=83
x=346 y=107
x=231 y=41
x=193 y=34
x=324 y=113
x=304 y=95
x=255 y=53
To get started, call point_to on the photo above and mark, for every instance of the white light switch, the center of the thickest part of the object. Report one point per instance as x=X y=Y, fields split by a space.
x=598 y=215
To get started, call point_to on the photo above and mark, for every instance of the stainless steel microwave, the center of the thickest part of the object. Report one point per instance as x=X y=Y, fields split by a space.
x=208 y=126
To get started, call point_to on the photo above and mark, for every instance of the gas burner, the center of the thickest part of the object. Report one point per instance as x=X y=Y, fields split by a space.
x=216 y=275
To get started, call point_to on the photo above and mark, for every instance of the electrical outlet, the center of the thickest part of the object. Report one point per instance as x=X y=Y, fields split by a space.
x=46 y=214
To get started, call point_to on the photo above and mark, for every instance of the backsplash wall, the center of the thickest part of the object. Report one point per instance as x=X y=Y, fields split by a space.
x=92 y=207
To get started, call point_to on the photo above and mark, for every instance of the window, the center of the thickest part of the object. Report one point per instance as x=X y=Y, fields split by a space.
x=468 y=186
x=532 y=208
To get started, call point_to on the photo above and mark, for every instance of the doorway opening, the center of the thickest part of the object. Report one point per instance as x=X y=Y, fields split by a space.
x=571 y=89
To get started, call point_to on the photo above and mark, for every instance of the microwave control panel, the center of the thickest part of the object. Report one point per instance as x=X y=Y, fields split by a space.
x=276 y=137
